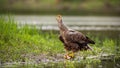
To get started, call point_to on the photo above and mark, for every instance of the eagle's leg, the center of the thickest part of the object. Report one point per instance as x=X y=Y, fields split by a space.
x=73 y=48
x=66 y=55
x=69 y=55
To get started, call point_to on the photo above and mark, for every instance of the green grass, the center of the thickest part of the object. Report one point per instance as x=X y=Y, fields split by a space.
x=16 y=42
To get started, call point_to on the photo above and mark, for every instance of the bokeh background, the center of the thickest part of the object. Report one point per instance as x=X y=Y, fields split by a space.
x=67 y=7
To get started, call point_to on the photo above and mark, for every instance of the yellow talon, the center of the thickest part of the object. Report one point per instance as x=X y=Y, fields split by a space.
x=69 y=56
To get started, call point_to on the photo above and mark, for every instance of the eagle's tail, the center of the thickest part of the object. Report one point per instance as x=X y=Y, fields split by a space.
x=90 y=41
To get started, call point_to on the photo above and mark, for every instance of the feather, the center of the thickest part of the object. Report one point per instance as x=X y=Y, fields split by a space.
x=73 y=40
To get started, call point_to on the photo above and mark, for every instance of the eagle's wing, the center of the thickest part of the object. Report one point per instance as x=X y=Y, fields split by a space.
x=61 y=39
x=77 y=37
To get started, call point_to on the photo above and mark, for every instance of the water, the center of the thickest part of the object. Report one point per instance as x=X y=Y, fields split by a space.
x=74 y=22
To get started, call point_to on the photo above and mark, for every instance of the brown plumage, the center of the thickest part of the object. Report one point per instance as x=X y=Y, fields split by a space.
x=73 y=40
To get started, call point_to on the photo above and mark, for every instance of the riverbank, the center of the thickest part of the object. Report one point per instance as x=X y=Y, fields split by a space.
x=32 y=45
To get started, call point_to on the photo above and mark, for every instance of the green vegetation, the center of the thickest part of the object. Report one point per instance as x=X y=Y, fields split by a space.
x=66 y=7
x=16 y=43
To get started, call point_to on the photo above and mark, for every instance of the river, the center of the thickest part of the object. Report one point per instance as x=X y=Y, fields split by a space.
x=74 y=22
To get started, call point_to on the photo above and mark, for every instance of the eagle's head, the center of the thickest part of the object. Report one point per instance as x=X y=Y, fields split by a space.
x=59 y=18
x=60 y=23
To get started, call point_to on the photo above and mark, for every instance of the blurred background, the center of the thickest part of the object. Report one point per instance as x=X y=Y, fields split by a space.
x=66 y=7
x=86 y=14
